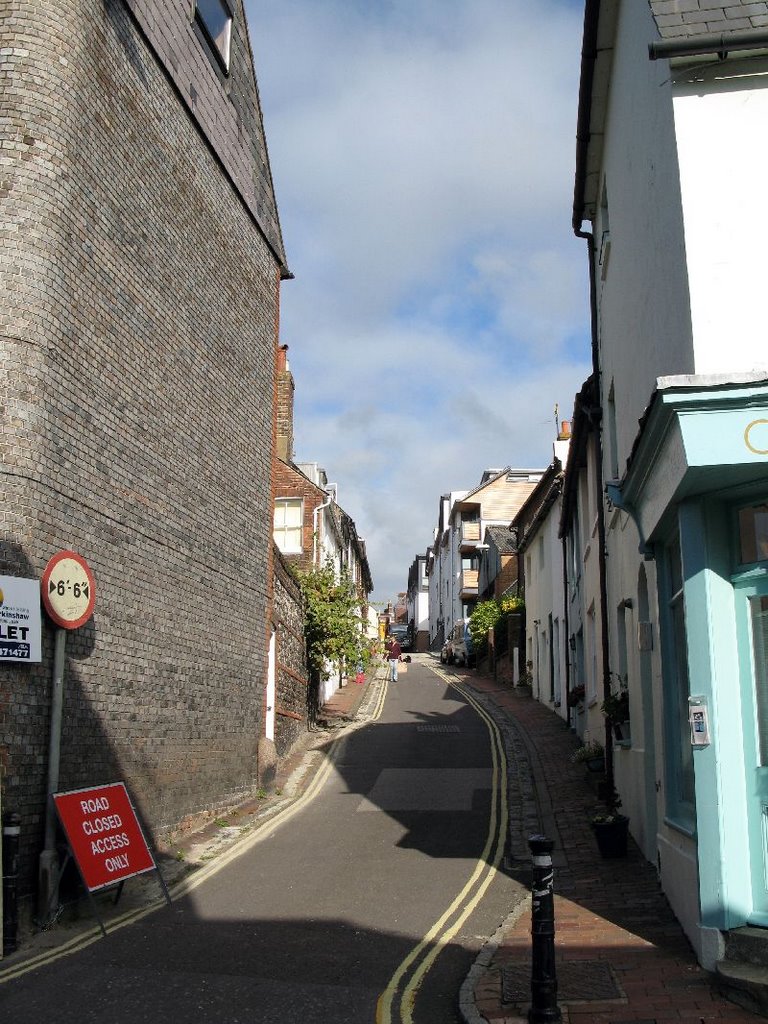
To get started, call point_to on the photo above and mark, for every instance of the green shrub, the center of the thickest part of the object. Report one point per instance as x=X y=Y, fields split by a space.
x=483 y=618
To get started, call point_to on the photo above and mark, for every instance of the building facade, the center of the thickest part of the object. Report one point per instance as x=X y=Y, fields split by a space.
x=310 y=528
x=417 y=603
x=673 y=227
x=140 y=261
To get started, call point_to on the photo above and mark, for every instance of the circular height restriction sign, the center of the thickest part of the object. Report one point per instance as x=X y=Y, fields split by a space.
x=69 y=590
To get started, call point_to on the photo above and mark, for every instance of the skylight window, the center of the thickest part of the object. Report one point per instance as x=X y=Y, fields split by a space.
x=215 y=19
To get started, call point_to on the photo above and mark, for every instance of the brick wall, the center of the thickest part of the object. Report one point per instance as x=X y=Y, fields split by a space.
x=292 y=677
x=138 y=311
x=290 y=483
x=284 y=407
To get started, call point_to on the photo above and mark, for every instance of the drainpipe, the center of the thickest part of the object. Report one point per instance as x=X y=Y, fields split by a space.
x=567 y=689
x=595 y=416
x=319 y=508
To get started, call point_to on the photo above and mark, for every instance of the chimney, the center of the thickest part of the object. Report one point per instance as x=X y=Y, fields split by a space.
x=285 y=389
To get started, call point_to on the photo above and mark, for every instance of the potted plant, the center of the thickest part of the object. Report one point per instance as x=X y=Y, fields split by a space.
x=576 y=696
x=615 y=707
x=611 y=828
x=591 y=755
x=525 y=682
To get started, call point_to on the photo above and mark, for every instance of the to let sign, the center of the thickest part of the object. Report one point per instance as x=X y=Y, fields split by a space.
x=104 y=834
x=19 y=620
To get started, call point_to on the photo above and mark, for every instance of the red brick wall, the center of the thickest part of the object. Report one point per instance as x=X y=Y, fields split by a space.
x=290 y=483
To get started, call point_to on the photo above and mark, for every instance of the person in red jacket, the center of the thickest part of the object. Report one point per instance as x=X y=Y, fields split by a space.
x=394 y=650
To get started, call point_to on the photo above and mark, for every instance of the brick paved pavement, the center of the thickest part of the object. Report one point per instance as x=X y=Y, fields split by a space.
x=614 y=927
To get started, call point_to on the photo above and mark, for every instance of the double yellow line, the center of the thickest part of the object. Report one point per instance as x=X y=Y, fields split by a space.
x=186 y=885
x=396 y=1003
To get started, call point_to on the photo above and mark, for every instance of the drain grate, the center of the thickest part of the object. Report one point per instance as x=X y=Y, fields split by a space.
x=437 y=728
x=582 y=981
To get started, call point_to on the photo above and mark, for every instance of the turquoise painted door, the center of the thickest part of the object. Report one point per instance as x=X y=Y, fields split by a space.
x=752 y=622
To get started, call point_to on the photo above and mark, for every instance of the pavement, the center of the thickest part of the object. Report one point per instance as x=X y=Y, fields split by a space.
x=621 y=955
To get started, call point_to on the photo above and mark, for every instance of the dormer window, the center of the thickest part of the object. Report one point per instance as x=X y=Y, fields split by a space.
x=215 y=19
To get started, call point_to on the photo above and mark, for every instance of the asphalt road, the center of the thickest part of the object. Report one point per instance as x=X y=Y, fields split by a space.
x=369 y=905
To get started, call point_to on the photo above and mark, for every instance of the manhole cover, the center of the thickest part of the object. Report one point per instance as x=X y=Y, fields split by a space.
x=437 y=728
x=578 y=981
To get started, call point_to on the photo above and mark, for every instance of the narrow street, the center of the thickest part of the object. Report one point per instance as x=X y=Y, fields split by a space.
x=369 y=904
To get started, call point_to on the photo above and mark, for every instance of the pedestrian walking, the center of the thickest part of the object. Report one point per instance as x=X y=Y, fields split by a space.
x=394 y=650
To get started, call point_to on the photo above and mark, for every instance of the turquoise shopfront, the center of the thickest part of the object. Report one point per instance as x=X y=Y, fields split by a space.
x=697 y=488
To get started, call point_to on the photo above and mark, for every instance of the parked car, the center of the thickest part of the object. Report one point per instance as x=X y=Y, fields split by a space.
x=402 y=634
x=460 y=644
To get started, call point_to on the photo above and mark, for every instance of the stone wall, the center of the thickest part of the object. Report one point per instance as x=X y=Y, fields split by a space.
x=292 y=676
x=138 y=319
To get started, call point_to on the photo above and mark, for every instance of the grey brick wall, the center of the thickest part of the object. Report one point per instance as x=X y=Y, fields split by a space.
x=682 y=18
x=138 y=312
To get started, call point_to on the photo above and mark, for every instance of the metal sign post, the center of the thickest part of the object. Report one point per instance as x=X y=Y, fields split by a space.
x=69 y=595
x=48 y=868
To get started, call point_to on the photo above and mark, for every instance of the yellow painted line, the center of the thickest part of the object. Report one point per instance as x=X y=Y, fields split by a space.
x=409 y=993
x=188 y=884
x=483 y=874
x=380 y=705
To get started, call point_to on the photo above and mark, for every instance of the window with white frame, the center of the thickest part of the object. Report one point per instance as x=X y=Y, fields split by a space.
x=215 y=19
x=289 y=516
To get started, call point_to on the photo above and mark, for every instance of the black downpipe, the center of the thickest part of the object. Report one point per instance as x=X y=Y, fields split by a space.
x=595 y=416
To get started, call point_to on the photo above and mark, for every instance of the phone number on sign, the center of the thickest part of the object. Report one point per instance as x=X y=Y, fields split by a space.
x=14 y=651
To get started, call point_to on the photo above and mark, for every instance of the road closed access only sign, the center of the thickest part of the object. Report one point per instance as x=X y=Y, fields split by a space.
x=104 y=834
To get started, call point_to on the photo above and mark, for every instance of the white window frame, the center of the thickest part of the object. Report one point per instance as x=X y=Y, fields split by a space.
x=283 y=504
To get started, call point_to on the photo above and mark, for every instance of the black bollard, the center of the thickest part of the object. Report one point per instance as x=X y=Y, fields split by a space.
x=544 y=1008
x=11 y=835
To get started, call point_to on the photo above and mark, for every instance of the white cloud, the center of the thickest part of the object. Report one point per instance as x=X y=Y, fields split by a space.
x=423 y=161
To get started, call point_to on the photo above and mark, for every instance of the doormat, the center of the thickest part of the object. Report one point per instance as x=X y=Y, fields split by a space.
x=578 y=981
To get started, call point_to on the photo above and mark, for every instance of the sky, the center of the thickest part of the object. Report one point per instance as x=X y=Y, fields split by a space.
x=423 y=156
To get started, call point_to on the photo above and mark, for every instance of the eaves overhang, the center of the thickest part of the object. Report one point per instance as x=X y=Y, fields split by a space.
x=700 y=434
x=600 y=20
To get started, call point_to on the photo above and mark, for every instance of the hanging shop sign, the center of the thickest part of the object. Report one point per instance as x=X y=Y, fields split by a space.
x=68 y=590
x=19 y=619
x=104 y=834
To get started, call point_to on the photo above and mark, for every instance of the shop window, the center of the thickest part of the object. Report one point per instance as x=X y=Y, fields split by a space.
x=753 y=534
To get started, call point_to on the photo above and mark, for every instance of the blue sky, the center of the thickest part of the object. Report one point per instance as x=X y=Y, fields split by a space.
x=423 y=156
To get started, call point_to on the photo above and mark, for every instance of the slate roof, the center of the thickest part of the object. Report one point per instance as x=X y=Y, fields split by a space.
x=226 y=108
x=502 y=538
x=677 y=19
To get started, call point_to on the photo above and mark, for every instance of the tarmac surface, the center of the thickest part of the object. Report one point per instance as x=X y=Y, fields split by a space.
x=621 y=955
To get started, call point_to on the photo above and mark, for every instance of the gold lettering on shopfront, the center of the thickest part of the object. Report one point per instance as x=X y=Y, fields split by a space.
x=750 y=427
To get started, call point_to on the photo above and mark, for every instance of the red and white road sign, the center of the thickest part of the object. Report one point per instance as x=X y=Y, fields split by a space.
x=68 y=590
x=104 y=834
